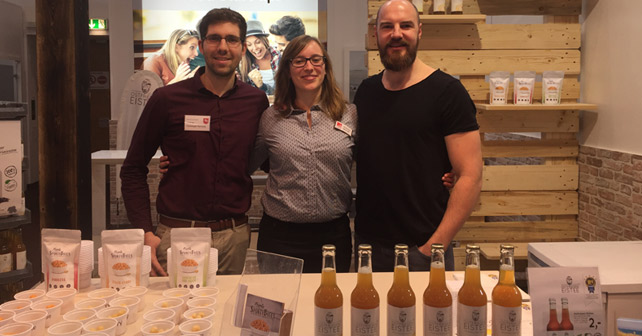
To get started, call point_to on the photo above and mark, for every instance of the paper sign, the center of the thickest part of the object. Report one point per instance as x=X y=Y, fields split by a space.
x=262 y=315
x=567 y=301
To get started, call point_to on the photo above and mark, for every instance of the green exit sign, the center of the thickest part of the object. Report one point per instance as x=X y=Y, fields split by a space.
x=97 y=24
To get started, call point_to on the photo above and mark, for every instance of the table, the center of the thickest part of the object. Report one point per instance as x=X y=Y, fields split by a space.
x=304 y=317
x=619 y=265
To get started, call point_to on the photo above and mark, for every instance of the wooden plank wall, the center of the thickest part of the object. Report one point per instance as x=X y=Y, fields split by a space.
x=519 y=202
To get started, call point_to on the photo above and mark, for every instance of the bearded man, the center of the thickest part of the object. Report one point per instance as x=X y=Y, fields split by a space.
x=415 y=123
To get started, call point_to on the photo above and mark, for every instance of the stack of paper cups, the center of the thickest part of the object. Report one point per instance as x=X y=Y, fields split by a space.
x=145 y=267
x=211 y=275
x=85 y=263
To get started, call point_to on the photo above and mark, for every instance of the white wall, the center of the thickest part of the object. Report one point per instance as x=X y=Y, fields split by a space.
x=347 y=28
x=612 y=74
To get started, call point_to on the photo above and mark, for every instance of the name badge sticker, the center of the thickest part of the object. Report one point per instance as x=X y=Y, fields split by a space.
x=343 y=128
x=197 y=123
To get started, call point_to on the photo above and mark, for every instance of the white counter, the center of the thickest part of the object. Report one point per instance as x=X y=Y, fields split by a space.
x=304 y=317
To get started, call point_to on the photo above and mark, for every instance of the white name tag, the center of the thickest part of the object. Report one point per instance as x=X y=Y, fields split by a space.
x=343 y=128
x=197 y=123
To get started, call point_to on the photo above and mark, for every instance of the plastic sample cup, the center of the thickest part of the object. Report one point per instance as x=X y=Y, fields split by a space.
x=32 y=295
x=211 y=292
x=138 y=291
x=93 y=304
x=66 y=295
x=65 y=329
x=6 y=317
x=107 y=326
x=201 y=302
x=82 y=315
x=159 y=315
x=17 y=329
x=117 y=313
x=106 y=294
x=178 y=293
x=16 y=306
x=36 y=318
x=52 y=307
x=131 y=303
x=157 y=328
x=199 y=327
x=177 y=305
x=199 y=313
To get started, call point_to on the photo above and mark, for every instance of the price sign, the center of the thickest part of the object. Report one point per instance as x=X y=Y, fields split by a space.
x=567 y=301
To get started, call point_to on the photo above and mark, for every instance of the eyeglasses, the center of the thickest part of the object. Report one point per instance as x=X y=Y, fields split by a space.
x=299 y=62
x=231 y=40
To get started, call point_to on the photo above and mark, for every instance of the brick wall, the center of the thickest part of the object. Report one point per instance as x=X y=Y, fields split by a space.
x=610 y=189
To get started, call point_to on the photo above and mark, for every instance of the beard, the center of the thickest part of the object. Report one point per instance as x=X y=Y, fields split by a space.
x=398 y=61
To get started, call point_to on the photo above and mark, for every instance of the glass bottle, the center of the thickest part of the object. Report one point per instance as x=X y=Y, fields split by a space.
x=438 y=302
x=19 y=250
x=364 y=300
x=328 y=300
x=471 y=299
x=552 y=325
x=401 y=298
x=507 y=299
x=566 y=323
x=6 y=258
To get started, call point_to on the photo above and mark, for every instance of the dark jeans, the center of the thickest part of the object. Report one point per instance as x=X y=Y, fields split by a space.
x=383 y=257
x=304 y=240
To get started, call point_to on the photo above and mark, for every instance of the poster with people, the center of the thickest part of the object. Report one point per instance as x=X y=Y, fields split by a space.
x=166 y=36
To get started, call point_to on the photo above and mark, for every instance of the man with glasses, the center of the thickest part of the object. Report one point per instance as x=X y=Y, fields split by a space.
x=206 y=125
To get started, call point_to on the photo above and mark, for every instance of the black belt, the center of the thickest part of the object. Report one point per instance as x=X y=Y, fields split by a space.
x=215 y=225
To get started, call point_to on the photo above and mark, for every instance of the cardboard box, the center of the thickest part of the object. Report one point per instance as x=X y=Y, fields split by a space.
x=11 y=200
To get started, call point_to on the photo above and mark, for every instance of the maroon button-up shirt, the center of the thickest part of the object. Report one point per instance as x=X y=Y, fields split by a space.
x=208 y=178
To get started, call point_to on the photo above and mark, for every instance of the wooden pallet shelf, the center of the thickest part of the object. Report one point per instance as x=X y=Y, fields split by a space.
x=537 y=107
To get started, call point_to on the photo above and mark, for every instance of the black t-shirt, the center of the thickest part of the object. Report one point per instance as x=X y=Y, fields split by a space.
x=402 y=156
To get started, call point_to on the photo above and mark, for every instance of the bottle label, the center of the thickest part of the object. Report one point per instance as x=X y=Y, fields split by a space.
x=401 y=321
x=438 y=321
x=507 y=321
x=471 y=321
x=21 y=260
x=6 y=261
x=328 y=322
x=364 y=322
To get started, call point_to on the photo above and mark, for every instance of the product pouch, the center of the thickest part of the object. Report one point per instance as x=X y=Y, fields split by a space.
x=122 y=257
x=552 y=87
x=499 y=81
x=60 y=256
x=190 y=256
x=524 y=83
x=439 y=7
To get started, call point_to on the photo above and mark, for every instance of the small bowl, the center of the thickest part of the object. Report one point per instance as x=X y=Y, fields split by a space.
x=95 y=333
x=199 y=327
x=32 y=295
x=138 y=291
x=34 y=317
x=167 y=328
x=179 y=293
x=198 y=313
x=82 y=315
x=159 y=315
x=107 y=326
x=256 y=331
x=206 y=292
x=93 y=304
x=52 y=307
x=17 y=306
x=201 y=302
x=131 y=303
x=116 y=313
x=66 y=295
x=17 y=329
x=106 y=294
x=65 y=329
x=175 y=304
x=6 y=317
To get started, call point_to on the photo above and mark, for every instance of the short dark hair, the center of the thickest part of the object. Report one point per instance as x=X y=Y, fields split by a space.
x=289 y=27
x=219 y=15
